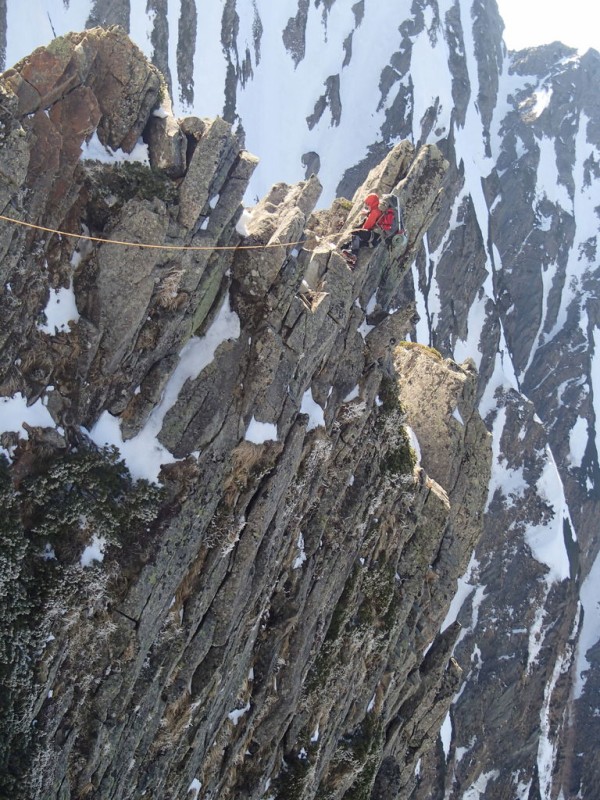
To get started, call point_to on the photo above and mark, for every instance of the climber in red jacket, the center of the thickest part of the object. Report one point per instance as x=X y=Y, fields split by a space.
x=366 y=235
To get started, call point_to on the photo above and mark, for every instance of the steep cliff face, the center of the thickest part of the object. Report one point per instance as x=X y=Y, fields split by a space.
x=506 y=274
x=256 y=609
x=531 y=320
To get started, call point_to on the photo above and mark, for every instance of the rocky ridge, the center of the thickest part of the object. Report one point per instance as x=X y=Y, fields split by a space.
x=506 y=275
x=209 y=649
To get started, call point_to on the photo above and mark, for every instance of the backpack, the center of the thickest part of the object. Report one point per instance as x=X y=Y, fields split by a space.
x=388 y=223
x=391 y=225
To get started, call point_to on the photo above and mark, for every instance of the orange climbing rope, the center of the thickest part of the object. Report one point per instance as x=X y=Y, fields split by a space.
x=146 y=245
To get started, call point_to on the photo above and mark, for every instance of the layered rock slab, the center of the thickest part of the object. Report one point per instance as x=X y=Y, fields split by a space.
x=216 y=640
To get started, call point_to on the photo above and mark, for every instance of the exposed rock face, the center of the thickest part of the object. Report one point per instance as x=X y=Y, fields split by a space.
x=506 y=275
x=269 y=620
x=522 y=297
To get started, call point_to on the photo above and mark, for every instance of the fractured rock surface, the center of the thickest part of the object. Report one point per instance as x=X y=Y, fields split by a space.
x=267 y=618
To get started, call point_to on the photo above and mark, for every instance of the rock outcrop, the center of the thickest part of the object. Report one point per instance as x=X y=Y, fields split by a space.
x=506 y=275
x=261 y=616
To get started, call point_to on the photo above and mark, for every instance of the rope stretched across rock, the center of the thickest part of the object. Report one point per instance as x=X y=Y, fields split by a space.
x=118 y=242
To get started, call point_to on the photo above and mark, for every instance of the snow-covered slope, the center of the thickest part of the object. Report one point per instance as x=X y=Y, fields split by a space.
x=301 y=78
x=508 y=276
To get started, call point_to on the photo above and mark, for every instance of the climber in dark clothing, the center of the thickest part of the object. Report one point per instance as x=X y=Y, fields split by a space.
x=366 y=235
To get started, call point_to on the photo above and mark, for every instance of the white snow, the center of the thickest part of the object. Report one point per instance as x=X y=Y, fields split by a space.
x=313 y=409
x=173 y=20
x=141 y=23
x=578 y=441
x=60 y=310
x=470 y=141
x=503 y=379
x=470 y=347
x=14 y=411
x=583 y=209
x=430 y=73
x=477 y=790
x=161 y=112
x=94 y=150
x=352 y=395
x=510 y=85
x=422 y=326
x=238 y=713
x=364 y=328
x=548 y=185
x=210 y=66
x=478 y=598
x=461 y=752
x=414 y=443
x=194 y=787
x=276 y=80
x=372 y=304
x=546 y=541
x=464 y=587
x=301 y=557
x=243 y=222
x=521 y=788
x=144 y=454
x=446 y=734
x=542 y=101
x=434 y=301
x=510 y=481
x=544 y=223
x=546 y=756
x=589 y=634
x=470 y=149
x=260 y=432
x=548 y=274
x=476 y=658
x=537 y=632
x=94 y=551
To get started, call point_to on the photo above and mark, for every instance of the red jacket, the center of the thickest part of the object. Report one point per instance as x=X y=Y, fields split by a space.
x=372 y=203
x=372 y=219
